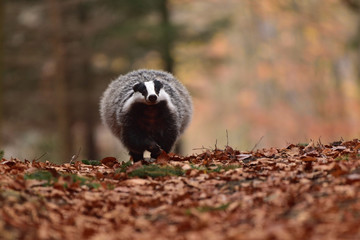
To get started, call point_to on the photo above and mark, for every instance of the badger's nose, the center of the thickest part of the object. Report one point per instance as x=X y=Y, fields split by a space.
x=152 y=98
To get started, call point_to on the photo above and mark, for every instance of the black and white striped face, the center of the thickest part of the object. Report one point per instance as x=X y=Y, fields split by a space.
x=149 y=93
x=149 y=90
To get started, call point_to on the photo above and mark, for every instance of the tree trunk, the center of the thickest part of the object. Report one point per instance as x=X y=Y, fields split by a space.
x=354 y=5
x=2 y=16
x=167 y=38
x=89 y=106
x=357 y=42
x=55 y=10
x=167 y=43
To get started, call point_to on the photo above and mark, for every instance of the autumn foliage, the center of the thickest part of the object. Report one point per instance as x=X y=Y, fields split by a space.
x=307 y=191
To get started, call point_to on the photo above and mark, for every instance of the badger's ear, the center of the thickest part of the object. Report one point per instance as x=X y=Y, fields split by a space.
x=158 y=85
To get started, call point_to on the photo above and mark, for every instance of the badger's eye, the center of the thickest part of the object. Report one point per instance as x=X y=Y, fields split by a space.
x=136 y=87
x=141 y=88
x=157 y=85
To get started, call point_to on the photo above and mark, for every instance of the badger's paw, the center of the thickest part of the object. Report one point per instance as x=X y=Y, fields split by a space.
x=136 y=157
x=155 y=150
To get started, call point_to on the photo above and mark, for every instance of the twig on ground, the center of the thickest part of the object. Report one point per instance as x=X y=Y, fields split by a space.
x=74 y=157
x=227 y=138
x=257 y=144
x=320 y=143
x=201 y=148
x=41 y=156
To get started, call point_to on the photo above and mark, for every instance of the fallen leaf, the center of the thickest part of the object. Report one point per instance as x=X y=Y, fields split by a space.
x=353 y=177
x=310 y=147
x=308 y=158
x=243 y=156
x=134 y=167
x=163 y=158
x=109 y=161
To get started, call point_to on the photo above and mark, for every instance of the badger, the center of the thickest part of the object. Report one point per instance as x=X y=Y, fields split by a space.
x=146 y=110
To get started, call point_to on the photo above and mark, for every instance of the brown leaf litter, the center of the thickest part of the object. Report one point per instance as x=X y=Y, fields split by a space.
x=299 y=192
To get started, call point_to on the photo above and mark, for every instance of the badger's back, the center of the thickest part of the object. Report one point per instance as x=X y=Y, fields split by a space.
x=117 y=115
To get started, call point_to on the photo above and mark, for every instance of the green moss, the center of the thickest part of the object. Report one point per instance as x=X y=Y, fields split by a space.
x=124 y=166
x=155 y=171
x=342 y=158
x=304 y=144
x=200 y=168
x=91 y=162
x=83 y=181
x=42 y=175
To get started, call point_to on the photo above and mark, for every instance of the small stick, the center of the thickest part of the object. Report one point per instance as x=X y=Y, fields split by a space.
x=257 y=144
x=40 y=156
x=320 y=143
x=227 y=138
x=74 y=157
x=201 y=148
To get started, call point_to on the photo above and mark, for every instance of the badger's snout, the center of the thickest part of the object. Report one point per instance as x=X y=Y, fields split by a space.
x=152 y=98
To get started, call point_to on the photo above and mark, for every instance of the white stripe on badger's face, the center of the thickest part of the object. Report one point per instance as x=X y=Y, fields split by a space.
x=150 y=88
x=164 y=96
x=137 y=97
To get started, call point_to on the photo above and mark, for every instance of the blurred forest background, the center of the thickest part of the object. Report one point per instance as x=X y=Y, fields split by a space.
x=285 y=71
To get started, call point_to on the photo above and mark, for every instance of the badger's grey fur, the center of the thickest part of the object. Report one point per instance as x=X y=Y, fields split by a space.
x=146 y=110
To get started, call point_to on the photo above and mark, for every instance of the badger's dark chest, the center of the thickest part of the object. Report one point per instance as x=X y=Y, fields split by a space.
x=150 y=118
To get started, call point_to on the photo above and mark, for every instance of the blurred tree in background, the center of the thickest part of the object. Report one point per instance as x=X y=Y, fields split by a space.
x=354 y=6
x=61 y=54
x=61 y=76
x=1 y=64
x=279 y=69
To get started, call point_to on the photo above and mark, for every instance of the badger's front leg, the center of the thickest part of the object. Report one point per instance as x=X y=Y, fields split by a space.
x=136 y=156
x=154 y=149
x=137 y=153
x=137 y=142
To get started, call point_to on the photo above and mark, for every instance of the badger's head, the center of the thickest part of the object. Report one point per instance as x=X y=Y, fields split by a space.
x=148 y=92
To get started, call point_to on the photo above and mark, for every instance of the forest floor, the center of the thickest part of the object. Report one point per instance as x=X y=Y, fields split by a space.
x=308 y=191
